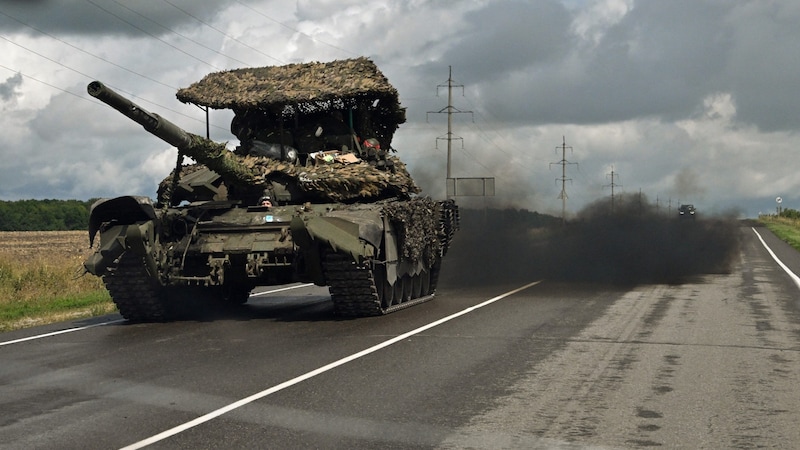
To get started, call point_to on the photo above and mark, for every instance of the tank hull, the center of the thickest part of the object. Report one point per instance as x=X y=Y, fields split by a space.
x=312 y=193
x=368 y=255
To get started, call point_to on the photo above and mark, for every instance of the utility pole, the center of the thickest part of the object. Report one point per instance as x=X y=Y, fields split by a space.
x=612 y=185
x=450 y=110
x=563 y=179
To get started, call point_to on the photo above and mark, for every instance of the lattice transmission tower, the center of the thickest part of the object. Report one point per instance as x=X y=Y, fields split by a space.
x=563 y=163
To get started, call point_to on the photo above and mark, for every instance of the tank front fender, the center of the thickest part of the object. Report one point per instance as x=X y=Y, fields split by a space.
x=119 y=211
x=125 y=224
x=138 y=238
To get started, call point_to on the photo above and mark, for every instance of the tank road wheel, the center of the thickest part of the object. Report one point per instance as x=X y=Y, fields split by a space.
x=359 y=290
x=138 y=297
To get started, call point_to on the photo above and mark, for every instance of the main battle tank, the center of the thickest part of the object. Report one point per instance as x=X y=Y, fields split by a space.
x=311 y=194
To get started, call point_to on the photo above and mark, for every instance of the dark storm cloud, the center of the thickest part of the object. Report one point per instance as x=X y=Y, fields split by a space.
x=656 y=61
x=8 y=87
x=651 y=87
x=762 y=67
x=660 y=60
x=499 y=40
x=102 y=17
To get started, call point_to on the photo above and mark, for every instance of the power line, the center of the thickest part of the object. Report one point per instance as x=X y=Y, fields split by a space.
x=498 y=134
x=83 y=97
x=221 y=32
x=87 y=76
x=152 y=35
x=91 y=77
x=312 y=38
x=181 y=35
x=45 y=83
x=78 y=49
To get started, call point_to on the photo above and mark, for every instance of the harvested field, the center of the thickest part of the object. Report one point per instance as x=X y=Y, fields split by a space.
x=42 y=279
x=34 y=244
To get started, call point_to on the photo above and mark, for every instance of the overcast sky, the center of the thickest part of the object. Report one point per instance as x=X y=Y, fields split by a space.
x=686 y=101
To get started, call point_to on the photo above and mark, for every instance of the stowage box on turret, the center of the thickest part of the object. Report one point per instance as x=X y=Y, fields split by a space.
x=313 y=193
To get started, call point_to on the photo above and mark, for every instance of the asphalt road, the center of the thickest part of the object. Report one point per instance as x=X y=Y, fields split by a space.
x=710 y=362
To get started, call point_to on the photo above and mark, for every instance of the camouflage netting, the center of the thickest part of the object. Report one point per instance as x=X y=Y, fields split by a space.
x=335 y=182
x=285 y=104
x=218 y=158
x=284 y=97
x=420 y=241
x=292 y=84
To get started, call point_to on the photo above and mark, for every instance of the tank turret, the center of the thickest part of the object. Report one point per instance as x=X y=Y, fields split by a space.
x=318 y=158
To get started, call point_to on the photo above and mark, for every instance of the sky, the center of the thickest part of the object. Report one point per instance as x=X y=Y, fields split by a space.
x=681 y=101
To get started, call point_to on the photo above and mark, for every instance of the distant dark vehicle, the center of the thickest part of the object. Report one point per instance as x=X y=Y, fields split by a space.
x=687 y=211
x=311 y=194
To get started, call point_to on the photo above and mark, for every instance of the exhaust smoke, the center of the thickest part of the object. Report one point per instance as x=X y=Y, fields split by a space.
x=630 y=242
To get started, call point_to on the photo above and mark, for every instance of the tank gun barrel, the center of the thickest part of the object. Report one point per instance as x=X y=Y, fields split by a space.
x=213 y=155
x=152 y=122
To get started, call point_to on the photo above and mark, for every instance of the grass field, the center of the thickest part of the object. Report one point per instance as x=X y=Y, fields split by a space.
x=786 y=229
x=42 y=279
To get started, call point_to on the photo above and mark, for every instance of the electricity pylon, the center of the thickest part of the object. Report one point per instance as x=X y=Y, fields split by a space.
x=563 y=195
x=450 y=110
x=612 y=185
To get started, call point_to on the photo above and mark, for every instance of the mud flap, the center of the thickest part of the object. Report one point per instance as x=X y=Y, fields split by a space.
x=338 y=234
x=316 y=234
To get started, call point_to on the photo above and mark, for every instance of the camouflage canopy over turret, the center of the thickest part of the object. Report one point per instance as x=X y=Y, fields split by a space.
x=324 y=128
x=292 y=84
x=306 y=89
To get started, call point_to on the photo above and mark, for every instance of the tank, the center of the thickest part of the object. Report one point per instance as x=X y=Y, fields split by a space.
x=314 y=193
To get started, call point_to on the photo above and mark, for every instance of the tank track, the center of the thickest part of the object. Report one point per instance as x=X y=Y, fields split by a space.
x=137 y=297
x=353 y=290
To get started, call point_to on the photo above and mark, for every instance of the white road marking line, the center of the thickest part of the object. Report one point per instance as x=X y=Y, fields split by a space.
x=68 y=330
x=225 y=409
x=792 y=275
x=282 y=289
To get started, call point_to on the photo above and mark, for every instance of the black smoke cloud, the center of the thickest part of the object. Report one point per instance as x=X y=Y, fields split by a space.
x=628 y=242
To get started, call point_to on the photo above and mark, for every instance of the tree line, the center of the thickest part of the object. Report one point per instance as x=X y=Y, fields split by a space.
x=790 y=213
x=44 y=215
